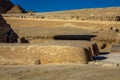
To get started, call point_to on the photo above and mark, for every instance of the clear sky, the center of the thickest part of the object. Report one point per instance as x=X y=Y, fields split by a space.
x=58 y=5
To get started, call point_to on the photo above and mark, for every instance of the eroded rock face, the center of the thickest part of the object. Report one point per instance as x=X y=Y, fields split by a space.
x=7 y=35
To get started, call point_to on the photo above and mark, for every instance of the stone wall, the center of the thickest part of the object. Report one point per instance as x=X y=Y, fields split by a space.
x=42 y=54
x=91 y=47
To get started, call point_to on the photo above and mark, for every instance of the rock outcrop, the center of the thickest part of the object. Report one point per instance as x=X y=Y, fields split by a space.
x=7 y=35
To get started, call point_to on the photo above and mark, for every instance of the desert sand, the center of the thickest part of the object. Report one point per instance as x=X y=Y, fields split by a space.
x=59 y=72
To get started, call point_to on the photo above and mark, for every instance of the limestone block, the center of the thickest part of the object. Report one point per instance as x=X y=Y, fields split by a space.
x=90 y=47
x=64 y=54
x=42 y=54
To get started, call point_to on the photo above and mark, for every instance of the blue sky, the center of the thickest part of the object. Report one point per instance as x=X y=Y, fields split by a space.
x=58 y=5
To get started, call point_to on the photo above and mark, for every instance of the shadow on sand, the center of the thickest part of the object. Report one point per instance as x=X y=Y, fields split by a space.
x=74 y=37
x=101 y=56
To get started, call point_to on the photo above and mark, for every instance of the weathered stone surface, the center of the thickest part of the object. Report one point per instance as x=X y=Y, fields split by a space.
x=32 y=53
x=90 y=46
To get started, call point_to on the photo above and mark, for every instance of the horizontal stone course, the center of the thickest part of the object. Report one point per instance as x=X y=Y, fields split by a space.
x=45 y=53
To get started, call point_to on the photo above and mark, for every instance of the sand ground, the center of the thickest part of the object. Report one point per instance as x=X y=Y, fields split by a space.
x=59 y=72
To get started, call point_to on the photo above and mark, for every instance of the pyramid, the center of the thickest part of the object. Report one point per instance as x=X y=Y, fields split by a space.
x=4 y=28
x=7 y=35
x=5 y=5
x=2 y=21
x=16 y=9
x=1 y=9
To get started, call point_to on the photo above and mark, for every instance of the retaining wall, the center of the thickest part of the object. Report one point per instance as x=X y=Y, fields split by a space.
x=41 y=54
